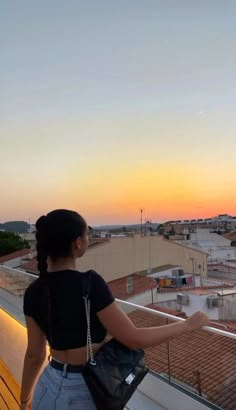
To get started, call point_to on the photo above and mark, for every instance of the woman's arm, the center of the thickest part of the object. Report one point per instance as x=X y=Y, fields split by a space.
x=121 y=328
x=34 y=358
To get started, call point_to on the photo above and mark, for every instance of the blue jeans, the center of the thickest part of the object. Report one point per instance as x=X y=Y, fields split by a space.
x=60 y=390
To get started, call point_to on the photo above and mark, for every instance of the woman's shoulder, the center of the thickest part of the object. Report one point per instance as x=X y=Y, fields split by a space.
x=31 y=297
x=94 y=276
x=98 y=290
x=34 y=285
x=91 y=273
x=92 y=281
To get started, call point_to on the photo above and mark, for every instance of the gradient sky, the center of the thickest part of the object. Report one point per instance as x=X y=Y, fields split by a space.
x=107 y=107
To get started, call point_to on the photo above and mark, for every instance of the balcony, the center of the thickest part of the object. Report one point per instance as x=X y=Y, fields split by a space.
x=195 y=371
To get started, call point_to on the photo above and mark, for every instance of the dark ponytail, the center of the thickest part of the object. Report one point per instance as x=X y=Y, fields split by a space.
x=41 y=246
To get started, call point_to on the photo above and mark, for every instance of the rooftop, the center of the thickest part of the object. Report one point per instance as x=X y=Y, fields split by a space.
x=14 y=255
x=162 y=268
x=31 y=265
x=167 y=310
x=199 y=292
x=230 y=235
x=222 y=267
x=140 y=284
x=198 y=288
x=203 y=361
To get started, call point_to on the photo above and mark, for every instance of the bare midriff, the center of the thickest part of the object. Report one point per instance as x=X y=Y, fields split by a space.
x=76 y=356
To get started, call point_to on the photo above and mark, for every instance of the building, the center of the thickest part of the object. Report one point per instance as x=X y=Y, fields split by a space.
x=217 y=246
x=120 y=257
x=231 y=236
x=220 y=223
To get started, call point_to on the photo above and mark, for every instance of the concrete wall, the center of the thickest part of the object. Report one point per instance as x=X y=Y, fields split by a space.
x=123 y=256
x=142 y=299
x=222 y=275
x=221 y=254
x=165 y=273
x=199 y=303
x=14 y=279
x=170 y=304
x=228 y=309
x=145 y=298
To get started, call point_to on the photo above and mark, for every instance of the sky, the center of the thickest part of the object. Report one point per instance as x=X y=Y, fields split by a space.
x=110 y=107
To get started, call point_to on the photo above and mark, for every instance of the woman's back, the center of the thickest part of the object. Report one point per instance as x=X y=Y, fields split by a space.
x=56 y=303
x=55 y=311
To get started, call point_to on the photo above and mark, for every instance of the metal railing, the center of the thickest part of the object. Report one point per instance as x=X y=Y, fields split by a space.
x=176 y=318
x=201 y=363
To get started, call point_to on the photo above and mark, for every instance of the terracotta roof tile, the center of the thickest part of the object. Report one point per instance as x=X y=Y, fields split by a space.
x=167 y=310
x=31 y=265
x=15 y=255
x=198 y=359
x=140 y=285
x=225 y=325
x=230 y=235
x=199 y=291
x=199 y=288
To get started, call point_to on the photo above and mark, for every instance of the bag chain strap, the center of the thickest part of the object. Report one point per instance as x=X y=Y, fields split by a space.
x=90 y=355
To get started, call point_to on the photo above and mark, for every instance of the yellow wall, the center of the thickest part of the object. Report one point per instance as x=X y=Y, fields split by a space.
x=125 y=255
x=12 y=344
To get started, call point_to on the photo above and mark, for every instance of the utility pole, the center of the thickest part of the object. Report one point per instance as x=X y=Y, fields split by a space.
x=149 y=270
x=141 y=221
x=193 y=263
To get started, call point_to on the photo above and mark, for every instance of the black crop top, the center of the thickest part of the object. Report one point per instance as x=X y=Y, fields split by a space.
x=66 y=327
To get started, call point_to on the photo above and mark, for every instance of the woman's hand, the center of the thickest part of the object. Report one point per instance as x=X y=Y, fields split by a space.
x=196 y=321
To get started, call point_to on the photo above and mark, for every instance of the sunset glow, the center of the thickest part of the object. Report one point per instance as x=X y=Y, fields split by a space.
x=116 y=107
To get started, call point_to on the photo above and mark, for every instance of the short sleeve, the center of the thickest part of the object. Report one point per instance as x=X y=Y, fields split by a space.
x=28 y=305
x=100 y=293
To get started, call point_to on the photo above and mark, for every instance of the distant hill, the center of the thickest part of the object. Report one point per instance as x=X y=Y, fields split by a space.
x=107 y=227
x=15 y=226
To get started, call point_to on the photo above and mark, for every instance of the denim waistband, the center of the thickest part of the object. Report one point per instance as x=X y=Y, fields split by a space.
x=66 y=367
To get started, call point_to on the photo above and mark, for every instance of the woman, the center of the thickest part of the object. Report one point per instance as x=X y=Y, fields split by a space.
x=54 y=312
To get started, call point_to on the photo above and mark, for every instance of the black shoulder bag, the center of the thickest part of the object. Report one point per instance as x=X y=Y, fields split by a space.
x=114 y=372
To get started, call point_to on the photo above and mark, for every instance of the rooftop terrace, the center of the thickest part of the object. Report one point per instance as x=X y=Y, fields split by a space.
x=192 y=372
